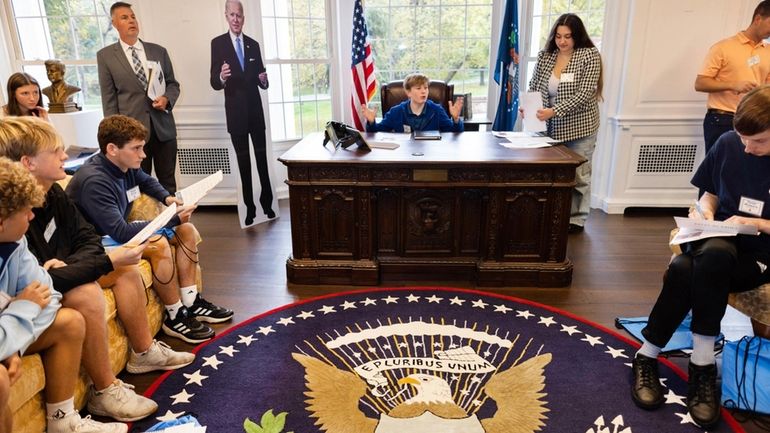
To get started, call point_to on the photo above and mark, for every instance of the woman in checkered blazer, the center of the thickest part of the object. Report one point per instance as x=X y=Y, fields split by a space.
x=568 y=75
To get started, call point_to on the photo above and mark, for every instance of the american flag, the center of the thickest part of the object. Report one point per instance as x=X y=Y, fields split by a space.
x=363 y=85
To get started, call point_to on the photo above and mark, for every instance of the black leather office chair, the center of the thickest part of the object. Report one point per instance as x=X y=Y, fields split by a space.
x=393 y=93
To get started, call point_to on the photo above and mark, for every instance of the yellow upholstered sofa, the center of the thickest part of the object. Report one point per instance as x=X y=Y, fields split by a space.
x=27 y=401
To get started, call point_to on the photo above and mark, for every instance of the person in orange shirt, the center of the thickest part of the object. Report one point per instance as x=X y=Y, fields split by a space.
x=733 y=67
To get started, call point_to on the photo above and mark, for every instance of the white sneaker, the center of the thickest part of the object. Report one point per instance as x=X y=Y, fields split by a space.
x=158 y=357
x=119 y=401
x=73 y=423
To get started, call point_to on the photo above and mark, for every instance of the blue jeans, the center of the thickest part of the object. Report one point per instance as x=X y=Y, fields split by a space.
x=714 y=125
x=581 y=194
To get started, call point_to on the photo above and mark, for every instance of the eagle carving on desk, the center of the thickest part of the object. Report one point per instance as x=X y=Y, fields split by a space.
x=334 y=396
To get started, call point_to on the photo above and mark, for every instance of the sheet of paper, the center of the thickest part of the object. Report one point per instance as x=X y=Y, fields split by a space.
x=694 y=229
x=195 y=192
x=156 y=83
x=77 y=162
x=159 y=221
x=383 y=144
x=530 y=103
x=520 y=142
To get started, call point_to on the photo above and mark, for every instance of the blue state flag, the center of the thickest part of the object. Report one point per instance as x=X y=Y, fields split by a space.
x=507 y=70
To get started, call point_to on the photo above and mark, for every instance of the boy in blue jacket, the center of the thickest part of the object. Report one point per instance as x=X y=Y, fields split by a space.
x=31 y=317
x=417 y=113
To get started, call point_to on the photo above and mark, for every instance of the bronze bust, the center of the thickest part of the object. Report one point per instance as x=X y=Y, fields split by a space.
x=59 y=93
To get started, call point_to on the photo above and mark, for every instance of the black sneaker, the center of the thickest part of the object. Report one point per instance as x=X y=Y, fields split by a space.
x=205 y=311
x=702 y=399
x=187 y=328
x=647 y=390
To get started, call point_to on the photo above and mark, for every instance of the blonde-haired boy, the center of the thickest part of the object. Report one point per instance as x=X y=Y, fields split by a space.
x=31 y=310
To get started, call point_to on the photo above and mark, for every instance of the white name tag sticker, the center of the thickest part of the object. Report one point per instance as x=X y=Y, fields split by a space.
x=407 y=129
x=753 y=60
x=50 y=229
x=751 y=206
x=567 y=77
x=133 y=194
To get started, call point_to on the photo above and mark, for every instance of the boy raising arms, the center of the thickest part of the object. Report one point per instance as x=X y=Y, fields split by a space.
x=32 y=320
x=104 y=190
x=69 y=248
x=417 y=113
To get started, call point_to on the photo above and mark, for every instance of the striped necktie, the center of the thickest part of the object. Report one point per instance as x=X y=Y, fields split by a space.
x=138 y=68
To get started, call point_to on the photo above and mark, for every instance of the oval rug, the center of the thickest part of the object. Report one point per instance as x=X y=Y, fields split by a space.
x=418 y=360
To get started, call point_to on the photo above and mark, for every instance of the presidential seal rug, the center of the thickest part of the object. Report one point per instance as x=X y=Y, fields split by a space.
x=418 y=360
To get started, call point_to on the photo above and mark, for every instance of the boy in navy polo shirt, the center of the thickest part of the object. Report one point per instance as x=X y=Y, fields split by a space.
x=736 y=179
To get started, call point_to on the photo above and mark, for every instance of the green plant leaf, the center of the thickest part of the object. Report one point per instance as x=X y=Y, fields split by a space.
x=251 y=427
x=267 y=419
x=280 y=422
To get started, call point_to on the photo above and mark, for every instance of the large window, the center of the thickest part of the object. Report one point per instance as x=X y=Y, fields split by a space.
x=545 y=12
x=446 y=40
x=69 y=30
x=297 y=56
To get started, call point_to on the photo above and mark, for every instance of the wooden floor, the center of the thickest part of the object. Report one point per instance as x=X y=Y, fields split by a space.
x=618 y=264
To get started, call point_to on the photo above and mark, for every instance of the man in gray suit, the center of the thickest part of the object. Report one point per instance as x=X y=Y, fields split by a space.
x=123 y=74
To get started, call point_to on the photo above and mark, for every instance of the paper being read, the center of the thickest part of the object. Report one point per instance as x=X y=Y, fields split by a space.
x=159 y=221
x=530 y=103
x=195 y=192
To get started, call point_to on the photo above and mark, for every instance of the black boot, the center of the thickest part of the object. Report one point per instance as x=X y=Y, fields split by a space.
x=647 y=390
x=702 y=399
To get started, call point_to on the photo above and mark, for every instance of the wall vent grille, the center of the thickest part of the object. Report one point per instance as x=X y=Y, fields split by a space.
x=666 y=158
x=202 y=162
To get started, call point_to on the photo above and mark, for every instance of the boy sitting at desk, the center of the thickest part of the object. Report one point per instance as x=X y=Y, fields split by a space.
x=417 y=113
x=104 y=189
x=32 y=319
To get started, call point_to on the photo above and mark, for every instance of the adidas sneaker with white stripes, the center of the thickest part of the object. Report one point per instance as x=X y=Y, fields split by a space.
x=187 y=328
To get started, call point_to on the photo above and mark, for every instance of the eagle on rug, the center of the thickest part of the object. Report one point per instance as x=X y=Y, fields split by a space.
x=334 y=396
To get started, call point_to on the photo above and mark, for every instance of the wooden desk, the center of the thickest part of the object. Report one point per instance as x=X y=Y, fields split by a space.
x=463 y=207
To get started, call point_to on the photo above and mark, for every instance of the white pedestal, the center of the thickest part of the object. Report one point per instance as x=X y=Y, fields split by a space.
x=78 y=128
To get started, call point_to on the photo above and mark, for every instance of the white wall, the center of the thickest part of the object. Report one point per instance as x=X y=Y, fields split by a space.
x=653 y=50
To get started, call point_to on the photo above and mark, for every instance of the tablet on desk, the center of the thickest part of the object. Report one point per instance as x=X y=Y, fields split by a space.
x=426 y=135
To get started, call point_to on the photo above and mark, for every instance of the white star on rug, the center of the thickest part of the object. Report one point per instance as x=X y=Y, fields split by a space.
x=480 y=304
x=182 y=397
x=196 y=378
x=228 y=350
x=412 y=298
x=212 y=362
x=685 y=418
x=417 y=344
x=673 y=398
x=434 y=299
x=437 y=344
x=266 y=329
x=357 y=354
x=547 y=321
x=403 y=345
x=487 y=354
x=475 y=379
x=305 y=315
x=247 y=339
x=502 y=309
x=570 y=329
x=593 y=341
x=456 y=301
x=369 y=301
x=390 y=300
x=326 y=309
x=169 y=416
x=524 y=313
x=386 y=346
x=348 y=305
x=616 y=353
x=464 y=392
x=477 y=402
x=286 y=321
